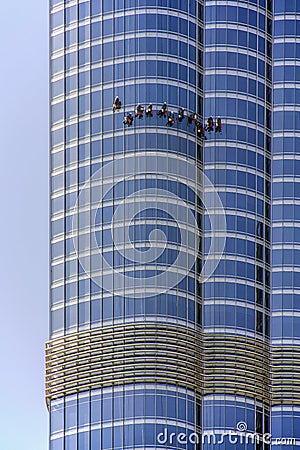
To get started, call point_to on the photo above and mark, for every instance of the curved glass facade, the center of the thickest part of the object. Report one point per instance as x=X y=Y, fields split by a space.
x=285 y=223
x=88 y=61
x=121 y=417
x=236 y=300
x=125 y=224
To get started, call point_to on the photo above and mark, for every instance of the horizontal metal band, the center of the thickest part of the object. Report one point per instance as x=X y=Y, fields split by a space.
x=136 y=353
x=236 y=365
x=285 y=372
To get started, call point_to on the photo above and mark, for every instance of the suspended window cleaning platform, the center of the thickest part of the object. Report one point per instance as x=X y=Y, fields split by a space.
x=192 y=118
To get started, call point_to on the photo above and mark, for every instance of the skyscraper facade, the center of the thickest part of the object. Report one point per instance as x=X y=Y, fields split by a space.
x=125 y=339
x=165 y=323
x=285 y=222
x=236 y=299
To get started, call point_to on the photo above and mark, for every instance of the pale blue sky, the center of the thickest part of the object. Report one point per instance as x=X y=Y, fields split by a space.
x=24 y=223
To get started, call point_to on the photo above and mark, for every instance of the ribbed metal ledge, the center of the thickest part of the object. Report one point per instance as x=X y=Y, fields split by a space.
x=237 y=366
x=285 y=371
x=121 y=355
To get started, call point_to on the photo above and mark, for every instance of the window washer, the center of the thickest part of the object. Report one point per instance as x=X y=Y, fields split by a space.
x=200 y=130
x=149 y=111
x=139 y=111
x=219 y=125
x=171 y=119
x=210 y=124
x=192 y=118
x=117 y=104
x=180 y=115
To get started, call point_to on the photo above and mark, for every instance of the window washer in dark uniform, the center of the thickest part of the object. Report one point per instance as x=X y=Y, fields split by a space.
x=192 y=118
x=171 y=119
x=180 y=115
x=117 y=104
x=219 y=125
x=128 y=120
x=149 y=111
x=200 y=130
x=210 y=124
x=139 y=111
x=163 y=111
